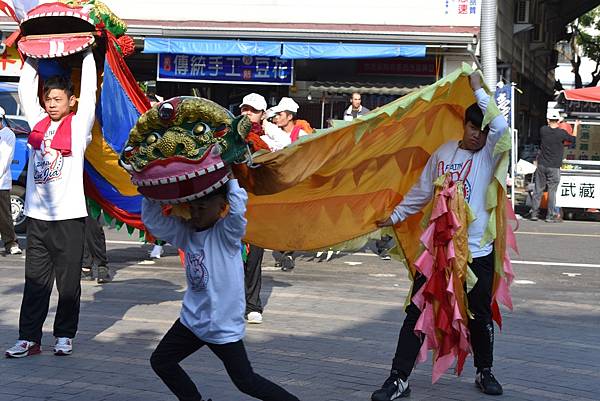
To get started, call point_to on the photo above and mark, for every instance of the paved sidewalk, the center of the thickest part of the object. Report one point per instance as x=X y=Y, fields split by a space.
x=329 y=334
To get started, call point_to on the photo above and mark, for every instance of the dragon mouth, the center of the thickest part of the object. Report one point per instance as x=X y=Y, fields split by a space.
x=177 y=180
x=194 y=188
x=137 y=179
x=56 y=30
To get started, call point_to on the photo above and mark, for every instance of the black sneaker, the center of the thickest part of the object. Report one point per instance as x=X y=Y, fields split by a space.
x=86 y=274
x=392 y=389
x=287 y=263
x=103 y=275
x=487 y=383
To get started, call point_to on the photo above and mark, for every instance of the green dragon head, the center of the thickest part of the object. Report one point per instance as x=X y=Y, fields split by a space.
x=181 y=149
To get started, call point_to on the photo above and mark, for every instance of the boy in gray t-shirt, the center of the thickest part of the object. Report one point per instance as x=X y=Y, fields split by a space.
x=213 y=307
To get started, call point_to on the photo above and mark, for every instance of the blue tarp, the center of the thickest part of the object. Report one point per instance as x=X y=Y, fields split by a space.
x=308 y=50
x=206 y=47
x=285 y=50
x=117 y=114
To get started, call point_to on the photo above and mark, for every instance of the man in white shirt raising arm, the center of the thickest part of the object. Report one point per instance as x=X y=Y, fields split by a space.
x=472 y=161
x=54 y=204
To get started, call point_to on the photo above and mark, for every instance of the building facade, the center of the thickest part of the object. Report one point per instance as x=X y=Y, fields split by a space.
x=319 y=52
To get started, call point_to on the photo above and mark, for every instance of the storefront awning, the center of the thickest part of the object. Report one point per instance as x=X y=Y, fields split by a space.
x=384 y=88
x=205 y=47
x=315 y=50
x=284 y=50
x=583 y=94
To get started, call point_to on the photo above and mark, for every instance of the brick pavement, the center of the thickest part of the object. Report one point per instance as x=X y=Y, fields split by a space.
x=329 y=334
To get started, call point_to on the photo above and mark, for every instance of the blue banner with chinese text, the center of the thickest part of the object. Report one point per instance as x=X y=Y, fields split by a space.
x=504 y=101
x=225 y=69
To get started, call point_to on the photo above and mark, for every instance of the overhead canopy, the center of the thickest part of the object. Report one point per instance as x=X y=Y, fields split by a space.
x=285 y=50
x=384 y=88
x=583 y=94
x=203 y=47
x=315 y=50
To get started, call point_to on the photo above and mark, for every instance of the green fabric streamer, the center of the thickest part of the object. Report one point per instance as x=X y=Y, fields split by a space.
x=244 y=253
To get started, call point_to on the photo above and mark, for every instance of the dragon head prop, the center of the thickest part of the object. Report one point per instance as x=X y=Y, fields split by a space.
x=64 y=28
x=182 y=149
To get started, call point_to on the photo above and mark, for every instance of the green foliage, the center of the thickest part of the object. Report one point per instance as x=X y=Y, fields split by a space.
x=586 y=41
x=590 y=43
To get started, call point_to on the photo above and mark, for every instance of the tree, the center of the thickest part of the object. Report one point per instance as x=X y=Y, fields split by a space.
x=585 y=43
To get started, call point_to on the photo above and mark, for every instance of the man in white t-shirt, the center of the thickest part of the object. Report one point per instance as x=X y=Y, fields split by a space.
x=7 y=150
x=54 y=203
x=471 y=161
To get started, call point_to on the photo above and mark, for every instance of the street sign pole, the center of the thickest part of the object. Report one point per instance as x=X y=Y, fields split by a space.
x=514 y=143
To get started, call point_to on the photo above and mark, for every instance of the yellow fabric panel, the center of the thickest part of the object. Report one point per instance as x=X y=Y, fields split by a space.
x=331 y=187
x=106 y=163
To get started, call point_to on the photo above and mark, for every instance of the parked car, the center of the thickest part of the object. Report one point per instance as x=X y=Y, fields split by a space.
x=9 y=100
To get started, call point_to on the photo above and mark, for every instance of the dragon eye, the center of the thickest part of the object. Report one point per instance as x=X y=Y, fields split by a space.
x=151 y=139
x=199 y=129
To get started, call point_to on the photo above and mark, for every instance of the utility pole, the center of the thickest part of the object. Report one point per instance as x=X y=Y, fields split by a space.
x=489 y=56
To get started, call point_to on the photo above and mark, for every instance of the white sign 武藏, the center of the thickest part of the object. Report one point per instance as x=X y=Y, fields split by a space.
x=578 y=191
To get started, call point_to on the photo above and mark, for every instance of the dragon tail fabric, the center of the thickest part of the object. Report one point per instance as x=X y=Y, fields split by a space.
x=119 y=106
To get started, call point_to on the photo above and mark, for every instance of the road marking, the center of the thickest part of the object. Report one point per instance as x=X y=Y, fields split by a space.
x=111 y=241
x=521 y=262
x=558 y=234
x=530 y=262
x=571 y=274
x=353 y=263
x=524 y=282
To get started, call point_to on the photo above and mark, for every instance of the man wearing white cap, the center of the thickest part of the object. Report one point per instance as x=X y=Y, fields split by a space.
x=285 y=118
x=254 y=106
x=549 y=160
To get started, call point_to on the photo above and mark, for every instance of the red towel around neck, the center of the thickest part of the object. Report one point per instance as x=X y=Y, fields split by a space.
x=62 y=137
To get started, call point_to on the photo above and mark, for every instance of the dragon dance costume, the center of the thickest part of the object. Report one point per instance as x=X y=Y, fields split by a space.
x=330 y=186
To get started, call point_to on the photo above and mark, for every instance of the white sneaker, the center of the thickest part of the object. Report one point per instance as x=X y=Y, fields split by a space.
x=15 y=250
x=255 y=318
x=63 y=346
x=22 y=349
x=157 y=252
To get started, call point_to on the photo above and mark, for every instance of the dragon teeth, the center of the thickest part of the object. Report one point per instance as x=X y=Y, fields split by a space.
x=183 y=177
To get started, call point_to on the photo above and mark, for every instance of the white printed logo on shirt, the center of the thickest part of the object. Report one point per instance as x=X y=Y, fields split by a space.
x=196 y=271
x=48 y=162
x=458 y=172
